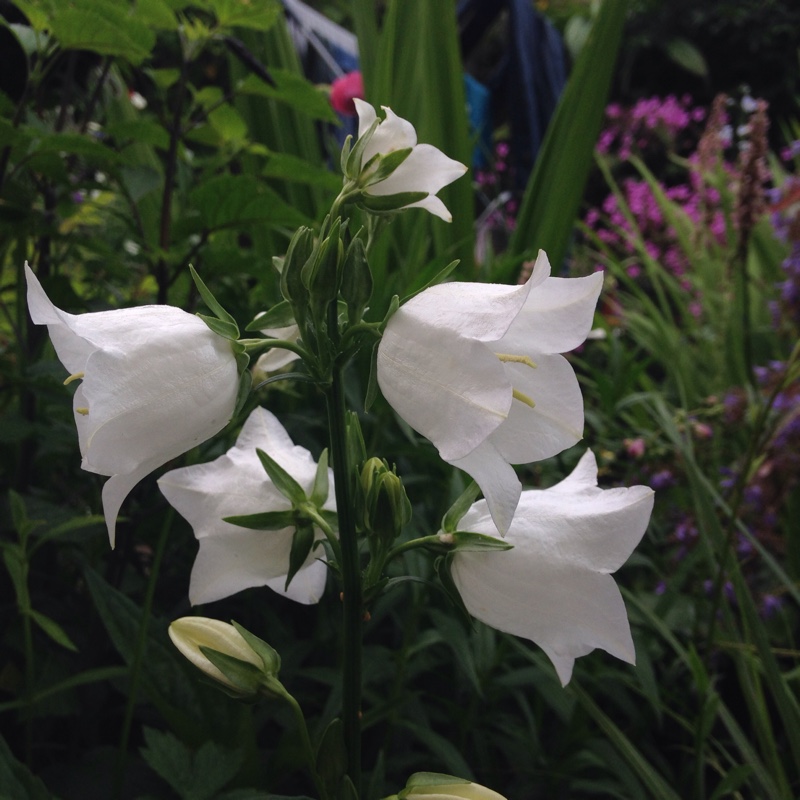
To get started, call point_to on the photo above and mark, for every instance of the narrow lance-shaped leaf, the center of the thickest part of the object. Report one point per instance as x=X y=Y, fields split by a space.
x=283 y=481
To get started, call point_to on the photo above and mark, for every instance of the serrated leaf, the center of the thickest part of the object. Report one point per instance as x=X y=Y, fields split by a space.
x=104 y=27
x=53 y=630
x=259 y=15
x=283 y=481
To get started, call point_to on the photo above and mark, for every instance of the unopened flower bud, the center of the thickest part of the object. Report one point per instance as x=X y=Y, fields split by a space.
x=229 y=654
x=386 y=506
x=433 y=786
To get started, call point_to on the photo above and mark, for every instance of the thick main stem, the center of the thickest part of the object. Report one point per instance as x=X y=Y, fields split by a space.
x=351 y=578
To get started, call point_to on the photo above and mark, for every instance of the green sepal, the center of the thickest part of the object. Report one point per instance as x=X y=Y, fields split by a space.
x=442 y=566
x=245 y=386
x=264 y=520
x=470 y=542
x=269 y=655
x=331 y=758
x=356 y=280
x=345 y=154
x=453 y=514
x=301 y=377
x=302 y=542
x=281 y=315
x=216 y=309
x=387 y=164
x=387 y=203
x=435 y=280
x=356 y=448
x=321 y=275
x=394 y=304
x=372 y=381
x=246 y=677
x=241 y=355
x=319 y=492
x=352 y=169
x=222 y=327
x=301 y=249
x=283 y=481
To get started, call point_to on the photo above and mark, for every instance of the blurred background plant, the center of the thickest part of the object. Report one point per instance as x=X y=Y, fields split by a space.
x=138 y=138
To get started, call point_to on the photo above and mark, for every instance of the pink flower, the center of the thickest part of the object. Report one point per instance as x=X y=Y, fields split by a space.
x=344 y=90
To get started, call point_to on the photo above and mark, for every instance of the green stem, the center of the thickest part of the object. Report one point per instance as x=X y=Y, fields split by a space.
x=138 y=656
x=307 y=746
x=351 y=574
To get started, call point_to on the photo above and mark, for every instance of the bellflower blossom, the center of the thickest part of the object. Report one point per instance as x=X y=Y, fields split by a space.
x=555 y=586
x=232 y=558
x=476 y=369
x=156 y=381
x=426 y=169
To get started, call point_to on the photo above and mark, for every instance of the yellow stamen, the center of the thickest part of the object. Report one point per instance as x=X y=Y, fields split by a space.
x=83 y=411
x=506 y=358
x=76 y=377
x=523 y=398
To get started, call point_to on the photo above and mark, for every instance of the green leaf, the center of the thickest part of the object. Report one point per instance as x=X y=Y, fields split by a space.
x=353 y=166
x=53 y=630
x=442 y=567
x=259 y=15
x=200 y=775
x=16 y=780
x=102 y=26
x=387 y=164
x=156 y=14
x=283 y=481
x=332 y=755
x=438 y=278
x=228 y=123
x=453 y=515
x=293 y=168
x=75 y=144
x=356 y=280
x=372 y=381
x=264 y=521
x=245 y=382
x=294 y=90
x=139 y=131
x=14 y=559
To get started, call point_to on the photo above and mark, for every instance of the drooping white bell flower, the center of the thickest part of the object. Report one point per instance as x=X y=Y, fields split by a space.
x=156 y=381
x=476 y=369
x=426 y=169
x=232 y=558
x=555 y=586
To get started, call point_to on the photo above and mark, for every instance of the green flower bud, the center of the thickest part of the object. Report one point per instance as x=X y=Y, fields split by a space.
x=386 y=506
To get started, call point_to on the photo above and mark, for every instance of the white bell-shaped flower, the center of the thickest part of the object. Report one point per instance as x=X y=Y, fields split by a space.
x=156 y=381
x=555 y=586
x=476 y=369
x=426 y=169
x=232 y=558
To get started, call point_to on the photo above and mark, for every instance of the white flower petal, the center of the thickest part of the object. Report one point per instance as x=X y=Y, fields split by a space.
x=421 y=374
x=366 y=115
x=498 y=481
x=553 y=587
x=556 y=420
x=232 y=558
x=435 y=206
x=480 y=311
x=558 y=315
x=394 y=133
x=427 y=169
x=156 y=382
